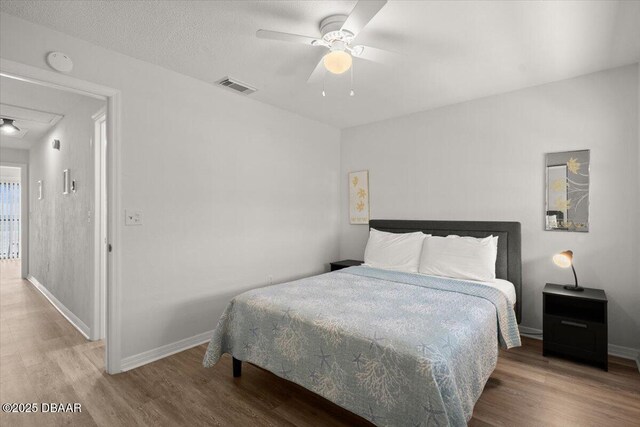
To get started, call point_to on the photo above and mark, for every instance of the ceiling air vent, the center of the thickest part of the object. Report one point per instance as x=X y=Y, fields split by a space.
x=236 y=86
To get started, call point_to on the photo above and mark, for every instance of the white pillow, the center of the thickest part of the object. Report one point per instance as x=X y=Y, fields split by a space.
x=460 y=257
x=394 y=251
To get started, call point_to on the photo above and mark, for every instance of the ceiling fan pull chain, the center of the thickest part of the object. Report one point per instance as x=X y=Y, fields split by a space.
x=323 y=80
x=352 y=93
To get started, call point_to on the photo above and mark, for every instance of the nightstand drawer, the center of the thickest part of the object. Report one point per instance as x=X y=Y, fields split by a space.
x=569 y=332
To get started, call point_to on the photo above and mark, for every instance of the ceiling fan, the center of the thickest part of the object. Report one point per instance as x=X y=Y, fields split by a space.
x=338 y=36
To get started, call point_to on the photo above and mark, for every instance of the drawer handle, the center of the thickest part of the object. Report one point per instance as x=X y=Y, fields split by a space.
x=579 y=325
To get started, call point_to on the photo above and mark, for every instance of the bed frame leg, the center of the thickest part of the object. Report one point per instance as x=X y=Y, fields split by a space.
x=237 y=367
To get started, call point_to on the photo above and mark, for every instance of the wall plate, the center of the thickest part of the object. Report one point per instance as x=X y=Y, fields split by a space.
x=132 y=217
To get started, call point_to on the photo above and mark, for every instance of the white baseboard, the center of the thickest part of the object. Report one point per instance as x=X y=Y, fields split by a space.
x=158 y=353
x=530 y=332
x=72 y=318
x=613 y=350
x=625 y=353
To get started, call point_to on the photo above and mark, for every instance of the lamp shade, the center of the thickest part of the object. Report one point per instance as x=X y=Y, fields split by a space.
x=337 y=61
x=563 y=259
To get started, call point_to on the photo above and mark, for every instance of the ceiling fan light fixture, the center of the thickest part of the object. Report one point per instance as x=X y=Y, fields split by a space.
x=8 y=127
x=337 y=61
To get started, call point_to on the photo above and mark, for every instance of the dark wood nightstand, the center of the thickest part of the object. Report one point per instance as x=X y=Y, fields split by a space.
x=339 y=265
x=574 y=324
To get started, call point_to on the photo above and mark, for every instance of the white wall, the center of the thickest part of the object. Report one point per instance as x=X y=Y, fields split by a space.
x=20 y=158
x=257 y=195
x=484 y=160
x=61 y=225
x=12 y=155
x=9 y=174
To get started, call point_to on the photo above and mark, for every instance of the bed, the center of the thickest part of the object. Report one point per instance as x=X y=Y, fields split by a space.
x=395 y=348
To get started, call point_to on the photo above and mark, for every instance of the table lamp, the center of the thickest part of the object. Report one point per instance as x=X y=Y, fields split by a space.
x=565 y=260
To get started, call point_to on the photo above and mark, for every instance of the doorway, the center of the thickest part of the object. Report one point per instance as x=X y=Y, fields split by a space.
x=10 y=217
x=55 y=130
x=105 y=308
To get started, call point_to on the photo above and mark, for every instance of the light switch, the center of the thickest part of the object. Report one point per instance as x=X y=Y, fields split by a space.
x=132 y=217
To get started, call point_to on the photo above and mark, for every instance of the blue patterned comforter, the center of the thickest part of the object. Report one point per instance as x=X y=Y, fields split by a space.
x=395 y=348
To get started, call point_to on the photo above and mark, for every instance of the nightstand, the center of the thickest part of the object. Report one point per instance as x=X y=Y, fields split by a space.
x=574 y=324
x=339 y=265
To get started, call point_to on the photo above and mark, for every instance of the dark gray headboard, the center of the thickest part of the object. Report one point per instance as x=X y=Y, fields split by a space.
x=509 y=260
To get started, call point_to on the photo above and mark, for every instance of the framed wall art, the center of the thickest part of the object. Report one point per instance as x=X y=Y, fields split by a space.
x=359 y=197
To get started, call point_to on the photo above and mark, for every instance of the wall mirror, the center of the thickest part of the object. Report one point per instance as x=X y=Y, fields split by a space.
x=567 y=191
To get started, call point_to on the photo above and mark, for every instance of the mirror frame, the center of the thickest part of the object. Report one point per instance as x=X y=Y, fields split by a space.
x=575 y=168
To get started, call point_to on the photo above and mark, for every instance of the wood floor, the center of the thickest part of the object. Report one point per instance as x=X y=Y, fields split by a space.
x=44 y=359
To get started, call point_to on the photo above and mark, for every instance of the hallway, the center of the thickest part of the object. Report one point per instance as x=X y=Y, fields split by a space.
x=42 y=355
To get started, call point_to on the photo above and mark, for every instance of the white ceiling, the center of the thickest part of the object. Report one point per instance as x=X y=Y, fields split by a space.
x=34 y=100
x=454 y=50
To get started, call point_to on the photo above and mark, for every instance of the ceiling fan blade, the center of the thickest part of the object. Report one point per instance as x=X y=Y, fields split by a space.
x=318 y=72
x=378 y=55
x=285 y=37
x=361 y=14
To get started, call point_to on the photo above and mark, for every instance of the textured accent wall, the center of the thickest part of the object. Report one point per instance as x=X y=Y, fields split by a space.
x=61 y=232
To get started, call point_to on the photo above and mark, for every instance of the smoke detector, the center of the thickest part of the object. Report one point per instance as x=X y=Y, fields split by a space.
x=60 y=62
